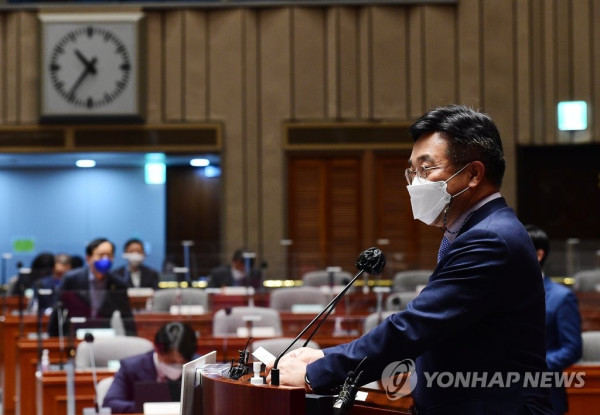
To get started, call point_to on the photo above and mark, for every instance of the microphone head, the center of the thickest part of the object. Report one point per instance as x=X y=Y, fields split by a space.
x=371 y=260
x=89 y=337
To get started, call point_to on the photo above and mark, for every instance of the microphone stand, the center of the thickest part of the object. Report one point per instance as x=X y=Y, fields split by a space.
x=372 y=261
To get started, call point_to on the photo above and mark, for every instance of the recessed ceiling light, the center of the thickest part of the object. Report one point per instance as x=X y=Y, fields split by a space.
x=85 y=163
x=199 y=162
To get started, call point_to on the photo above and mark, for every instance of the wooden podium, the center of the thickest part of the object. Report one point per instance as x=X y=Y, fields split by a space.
x=223 y=396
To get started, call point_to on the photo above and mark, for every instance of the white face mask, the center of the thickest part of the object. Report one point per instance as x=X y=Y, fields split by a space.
x=170 y=371
x=428 y=199
x=134 y=258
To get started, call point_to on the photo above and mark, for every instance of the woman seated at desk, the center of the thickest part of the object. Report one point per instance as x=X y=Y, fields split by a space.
x=174 y=345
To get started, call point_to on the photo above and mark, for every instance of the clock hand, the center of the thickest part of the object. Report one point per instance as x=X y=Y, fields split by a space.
x=90 y=65
x=83 y=75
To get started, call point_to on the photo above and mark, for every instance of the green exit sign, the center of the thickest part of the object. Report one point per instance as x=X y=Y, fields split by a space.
x=23 y=245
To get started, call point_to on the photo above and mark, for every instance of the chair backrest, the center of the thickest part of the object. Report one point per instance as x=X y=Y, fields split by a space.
x=409 y=280
x=373 y=320
x=102 y=387
x=398 y=301
x=587 y=280
x=277 y=345
x=282 y=299
x=164 y=298
x=110 y=348
x=320 y=278
x=591 y=346
x=227 y=321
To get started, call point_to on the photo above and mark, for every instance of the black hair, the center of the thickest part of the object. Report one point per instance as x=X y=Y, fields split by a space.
x=540 y=241
x=176 y=336
x=89 y=249
x=471 y=135
x=133 y=241
x=42 y=265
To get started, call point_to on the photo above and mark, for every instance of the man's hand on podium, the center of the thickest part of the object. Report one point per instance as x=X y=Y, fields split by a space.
x=292 y=366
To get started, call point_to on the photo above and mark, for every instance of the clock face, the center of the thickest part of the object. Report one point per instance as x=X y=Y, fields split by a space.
x=90 y=67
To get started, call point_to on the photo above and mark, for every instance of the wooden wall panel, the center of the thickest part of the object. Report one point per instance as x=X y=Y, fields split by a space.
x=29 y=64
x=499 y=95
x=538 y=72
x=154 y=67
x=174 y=65
x=274 y=79
x=563 y=49
x=195 y=66
x=440 y=56
x=550 y=69
x=365 y=37
x=416 y=62
x=250 y=135
x=348 y=87
x=581 y=62
x=12 y=67
x=389 y=63
x=524 y=108
x=308 y=63
x=469 y=53
x=226 y=104
x=595 y=86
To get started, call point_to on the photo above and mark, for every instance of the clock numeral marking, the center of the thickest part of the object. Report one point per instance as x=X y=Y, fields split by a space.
x=59 y=85
x=54 y=67
x=59 y=50
x=90 y=31
x=125 y=67
x=71 y=98
x=90 y=102
x=107 y=98
x=121 y=84
x=72 y=37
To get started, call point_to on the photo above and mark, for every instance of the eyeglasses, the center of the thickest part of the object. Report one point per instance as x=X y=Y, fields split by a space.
x=421 y=172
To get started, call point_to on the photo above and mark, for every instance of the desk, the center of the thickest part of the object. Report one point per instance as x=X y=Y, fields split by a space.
x=51 y=391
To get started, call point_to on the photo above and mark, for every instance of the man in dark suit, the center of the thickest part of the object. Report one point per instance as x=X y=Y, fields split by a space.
x=174 y=345
x=136 y=274
x=240 y=272
x=481 y=316
x=93 y=292
x=563 y=322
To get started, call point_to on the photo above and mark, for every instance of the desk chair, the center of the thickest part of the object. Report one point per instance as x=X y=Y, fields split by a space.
x=103 y=387
x=587 y=280
x=110 y=348
x=277 y=345
x=164 y=298
x=409 y=280
x=372 y=320
x=227 y=321
x=398 y=301
x=591 y=346
x=321 y=277
x=282 y=299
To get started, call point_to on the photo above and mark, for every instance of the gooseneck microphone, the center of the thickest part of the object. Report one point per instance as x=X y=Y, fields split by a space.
x=372 y=261
x=345 y=399
x=89 y=338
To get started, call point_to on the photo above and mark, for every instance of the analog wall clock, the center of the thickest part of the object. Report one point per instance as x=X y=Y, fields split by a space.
x=90 y=66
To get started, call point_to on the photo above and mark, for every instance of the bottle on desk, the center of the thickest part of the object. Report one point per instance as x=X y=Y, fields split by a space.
x=45 y=363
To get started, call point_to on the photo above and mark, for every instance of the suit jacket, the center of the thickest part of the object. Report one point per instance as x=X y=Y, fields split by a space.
x=482 y=311
x=74 y=295
x=223 y=277
x=563 y=336
x=149 y=277
x=120 y=396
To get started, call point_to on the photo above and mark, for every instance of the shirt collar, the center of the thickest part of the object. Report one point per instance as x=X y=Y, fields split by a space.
x=454 y=228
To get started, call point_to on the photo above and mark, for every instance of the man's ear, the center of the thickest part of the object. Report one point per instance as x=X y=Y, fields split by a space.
x=476 y=170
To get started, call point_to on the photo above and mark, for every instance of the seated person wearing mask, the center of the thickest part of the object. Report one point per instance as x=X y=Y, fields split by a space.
x=174 y=345
x=136 y=274
x=236 y=273
x=92 y=292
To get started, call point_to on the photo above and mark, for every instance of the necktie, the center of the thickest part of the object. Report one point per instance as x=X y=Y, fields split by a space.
x=443 y=248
